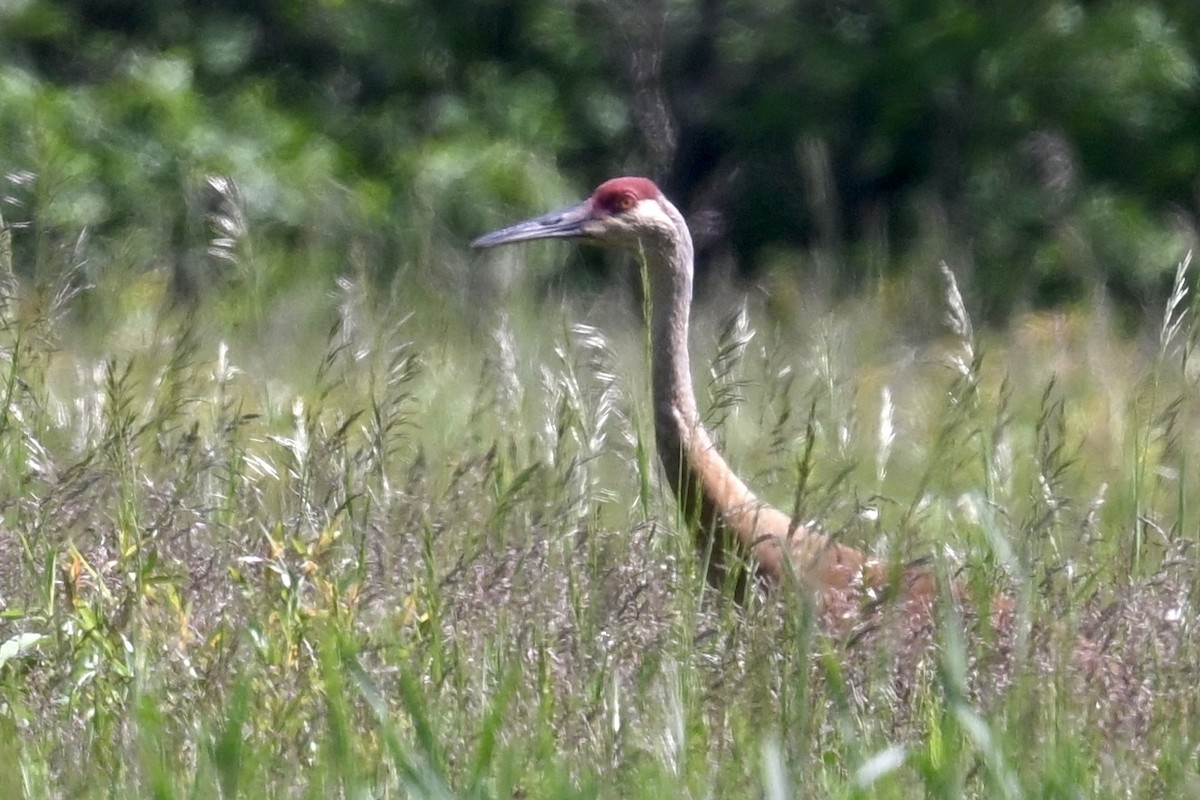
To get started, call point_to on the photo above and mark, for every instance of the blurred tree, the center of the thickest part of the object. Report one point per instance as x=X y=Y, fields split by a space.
x=1051 y=142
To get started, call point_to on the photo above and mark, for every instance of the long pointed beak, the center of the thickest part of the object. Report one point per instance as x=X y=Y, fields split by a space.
x=565 y=224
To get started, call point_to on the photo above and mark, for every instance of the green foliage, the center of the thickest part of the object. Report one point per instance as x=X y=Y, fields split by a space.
x=297 y=502
x=436 y=559
x=1050 y=143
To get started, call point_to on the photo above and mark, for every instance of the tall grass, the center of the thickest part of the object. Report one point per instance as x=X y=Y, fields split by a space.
x=373 y=552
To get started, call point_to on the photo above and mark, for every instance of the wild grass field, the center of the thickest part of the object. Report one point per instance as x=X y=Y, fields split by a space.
x=406 y=539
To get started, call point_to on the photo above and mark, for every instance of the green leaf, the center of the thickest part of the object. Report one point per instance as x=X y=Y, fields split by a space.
x=18 y=646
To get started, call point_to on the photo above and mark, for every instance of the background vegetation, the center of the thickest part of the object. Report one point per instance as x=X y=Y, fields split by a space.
x=300 y=498
x=1051 y=145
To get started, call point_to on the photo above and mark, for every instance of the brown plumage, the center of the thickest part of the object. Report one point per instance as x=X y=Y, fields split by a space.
x=632 y=214
x=732 y=525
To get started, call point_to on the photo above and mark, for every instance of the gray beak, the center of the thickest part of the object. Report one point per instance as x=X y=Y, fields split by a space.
x=565 y=224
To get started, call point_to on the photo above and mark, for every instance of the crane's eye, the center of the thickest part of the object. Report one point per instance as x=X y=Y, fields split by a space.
x=625 y=202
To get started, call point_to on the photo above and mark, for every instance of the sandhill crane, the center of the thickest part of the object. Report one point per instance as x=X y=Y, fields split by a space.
x=732 y=525
x=631 y=214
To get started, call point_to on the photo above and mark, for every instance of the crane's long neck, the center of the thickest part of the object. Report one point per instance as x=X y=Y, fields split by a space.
x=715 y=501
x=723 y=511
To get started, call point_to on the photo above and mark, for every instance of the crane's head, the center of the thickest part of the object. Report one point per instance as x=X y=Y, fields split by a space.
x=629 y=213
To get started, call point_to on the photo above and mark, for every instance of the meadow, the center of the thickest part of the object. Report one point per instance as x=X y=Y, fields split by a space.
x=409 y=538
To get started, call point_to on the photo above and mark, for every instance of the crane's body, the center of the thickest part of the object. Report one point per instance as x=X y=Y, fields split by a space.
x=633 y=215
x=730 y=522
